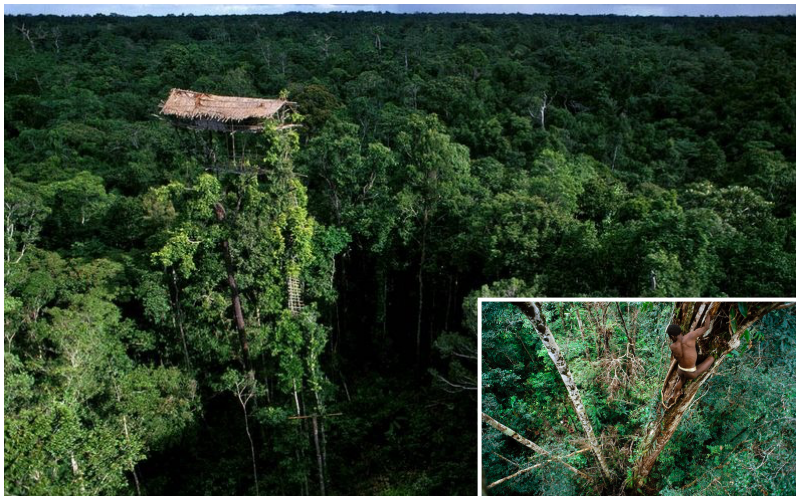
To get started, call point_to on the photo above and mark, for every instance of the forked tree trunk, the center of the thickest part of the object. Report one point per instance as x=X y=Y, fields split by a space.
x=533 y=311
x=244 y=393
x=720 y=339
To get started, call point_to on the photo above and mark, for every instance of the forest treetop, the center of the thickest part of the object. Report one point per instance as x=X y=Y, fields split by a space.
x=662 y=148
x=441 y=158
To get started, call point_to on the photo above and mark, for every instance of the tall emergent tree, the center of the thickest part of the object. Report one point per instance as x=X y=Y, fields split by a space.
x=436 y=169
x=238 y=245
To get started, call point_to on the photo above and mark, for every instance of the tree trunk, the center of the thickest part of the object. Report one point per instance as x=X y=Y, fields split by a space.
x=565 y=328
x=720 y=339
x=321 y=411
x=244 y=393
x=296 y=398
x=522 y=471
x=513 y=434
x=319 y=455
x=237 y=304
x=527 y=443
x=252 y=449
x=533 y=312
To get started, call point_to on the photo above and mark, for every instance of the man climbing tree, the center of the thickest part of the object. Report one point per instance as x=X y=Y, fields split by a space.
x=627 y=430
x=684 y=350
x=728 y=323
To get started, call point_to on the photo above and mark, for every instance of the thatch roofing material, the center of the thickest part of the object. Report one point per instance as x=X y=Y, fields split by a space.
x=190 y=105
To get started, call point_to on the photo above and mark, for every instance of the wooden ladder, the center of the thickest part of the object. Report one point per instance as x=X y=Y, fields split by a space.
x=295 y=301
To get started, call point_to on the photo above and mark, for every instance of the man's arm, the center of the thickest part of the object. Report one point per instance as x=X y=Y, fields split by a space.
x=695 y=334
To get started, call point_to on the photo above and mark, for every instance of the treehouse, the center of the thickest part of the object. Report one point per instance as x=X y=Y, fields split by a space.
x=208 y=118
x=219 y=127
x=219 y=113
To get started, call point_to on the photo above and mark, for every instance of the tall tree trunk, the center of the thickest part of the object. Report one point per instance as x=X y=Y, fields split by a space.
x=245 y=392
x=720 y=339
x=299 y=451
x=315 y=426
x=252 y=449
x=322 y=459
x=533 y=311
x=237 y=303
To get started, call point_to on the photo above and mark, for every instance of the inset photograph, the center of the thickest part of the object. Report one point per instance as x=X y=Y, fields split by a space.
x=654 y=398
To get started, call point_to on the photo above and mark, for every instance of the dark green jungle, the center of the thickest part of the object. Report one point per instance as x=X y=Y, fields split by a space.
x=736 y=437
x=440 y=158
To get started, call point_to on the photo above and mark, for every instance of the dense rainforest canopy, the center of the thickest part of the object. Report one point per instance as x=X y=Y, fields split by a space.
x=734 y=434
x=441 y=157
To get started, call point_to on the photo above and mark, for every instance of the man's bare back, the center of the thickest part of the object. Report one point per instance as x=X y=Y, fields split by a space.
x=684 y=349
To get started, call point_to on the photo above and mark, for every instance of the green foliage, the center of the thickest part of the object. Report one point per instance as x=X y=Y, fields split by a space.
x=421 y=177
x=739 y=432
x=54 y=453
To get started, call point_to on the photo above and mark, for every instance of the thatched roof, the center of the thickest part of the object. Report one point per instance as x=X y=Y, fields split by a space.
x=199 y=107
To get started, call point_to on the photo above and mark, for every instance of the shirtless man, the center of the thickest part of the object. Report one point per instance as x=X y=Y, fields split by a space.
x=684 y=349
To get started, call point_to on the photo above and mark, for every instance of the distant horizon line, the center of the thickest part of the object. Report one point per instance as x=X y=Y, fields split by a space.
x=387 y=12
x=410 y=9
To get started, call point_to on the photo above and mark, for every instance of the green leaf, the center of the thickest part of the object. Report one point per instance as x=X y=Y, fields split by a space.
x=743 y=309
x=733 y=323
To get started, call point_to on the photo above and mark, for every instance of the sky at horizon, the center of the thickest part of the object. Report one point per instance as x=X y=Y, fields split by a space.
x=233 y=9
